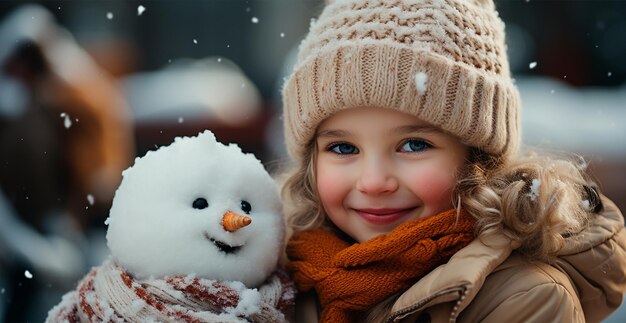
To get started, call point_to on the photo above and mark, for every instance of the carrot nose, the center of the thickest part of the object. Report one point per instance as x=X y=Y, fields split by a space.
x=233 y=221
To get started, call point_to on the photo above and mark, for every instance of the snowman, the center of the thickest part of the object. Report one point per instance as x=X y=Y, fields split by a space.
x=195 y=233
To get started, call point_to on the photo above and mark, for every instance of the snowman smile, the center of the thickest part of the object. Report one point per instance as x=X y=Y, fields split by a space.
x=222 y=246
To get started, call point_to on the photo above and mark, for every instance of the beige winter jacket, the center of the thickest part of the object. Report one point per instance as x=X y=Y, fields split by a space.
x=489 y=282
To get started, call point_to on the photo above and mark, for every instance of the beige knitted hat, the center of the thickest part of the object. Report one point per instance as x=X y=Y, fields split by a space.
x=443 y=61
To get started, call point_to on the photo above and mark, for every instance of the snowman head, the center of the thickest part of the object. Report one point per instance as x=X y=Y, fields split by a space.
x=197 y=207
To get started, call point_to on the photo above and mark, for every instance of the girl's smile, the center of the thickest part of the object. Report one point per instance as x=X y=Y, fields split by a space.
x=383 y=216
x=378 y=168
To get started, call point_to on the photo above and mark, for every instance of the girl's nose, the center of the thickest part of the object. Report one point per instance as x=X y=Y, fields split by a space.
x=377 y=178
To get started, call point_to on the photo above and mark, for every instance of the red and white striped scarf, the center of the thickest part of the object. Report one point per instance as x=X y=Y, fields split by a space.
x=110 y=294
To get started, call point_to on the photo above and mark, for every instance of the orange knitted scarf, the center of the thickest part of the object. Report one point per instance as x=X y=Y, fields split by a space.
x=351 y=279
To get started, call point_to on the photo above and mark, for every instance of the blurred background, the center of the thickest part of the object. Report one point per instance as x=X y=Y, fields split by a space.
x=86 y=86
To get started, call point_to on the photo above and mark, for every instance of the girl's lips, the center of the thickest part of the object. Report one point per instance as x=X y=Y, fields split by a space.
x=383 y=216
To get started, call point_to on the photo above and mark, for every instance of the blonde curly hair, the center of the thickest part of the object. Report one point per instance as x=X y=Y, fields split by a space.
x=536 y=200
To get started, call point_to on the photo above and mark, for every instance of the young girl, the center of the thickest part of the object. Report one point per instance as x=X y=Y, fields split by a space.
x=409 y=199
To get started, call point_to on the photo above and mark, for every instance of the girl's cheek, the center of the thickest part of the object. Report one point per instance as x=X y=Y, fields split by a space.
x=329 y=186
x=434 y=186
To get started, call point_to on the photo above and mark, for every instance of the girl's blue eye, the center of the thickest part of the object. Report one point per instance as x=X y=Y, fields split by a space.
x=414 y=145
x=343 y=149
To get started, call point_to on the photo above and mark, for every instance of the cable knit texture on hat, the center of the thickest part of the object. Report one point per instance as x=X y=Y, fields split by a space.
x=443 y=61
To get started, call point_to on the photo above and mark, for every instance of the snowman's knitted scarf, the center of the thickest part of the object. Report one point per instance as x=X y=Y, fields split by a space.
x=109 y=294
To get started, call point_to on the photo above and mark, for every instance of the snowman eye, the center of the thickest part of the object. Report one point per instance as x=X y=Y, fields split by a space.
x=246 y=207
x=200 y=203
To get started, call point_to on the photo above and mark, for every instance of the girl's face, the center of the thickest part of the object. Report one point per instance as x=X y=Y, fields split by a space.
x=378 y=168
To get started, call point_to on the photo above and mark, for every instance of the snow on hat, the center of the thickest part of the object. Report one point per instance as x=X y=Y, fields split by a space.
x=443 y=61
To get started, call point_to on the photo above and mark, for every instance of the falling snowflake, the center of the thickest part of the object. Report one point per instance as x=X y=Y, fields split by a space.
x=140 y=10
x=534 y=189
x=282 y=35
x=195 y=41
x=609 y=74
x=255 y=20
x=109 y=15
x=532 y=65
x=586 y=205
x=27 y=274
x=180 y=120
x=219 y=60
x=420 y=82
x=67 y=122
x=90 y=199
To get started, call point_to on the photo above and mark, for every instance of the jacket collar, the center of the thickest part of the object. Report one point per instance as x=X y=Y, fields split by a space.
x=459 y=280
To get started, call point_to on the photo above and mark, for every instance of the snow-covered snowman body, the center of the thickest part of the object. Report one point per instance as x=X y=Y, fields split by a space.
x=195 y=233
x=167 y=215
